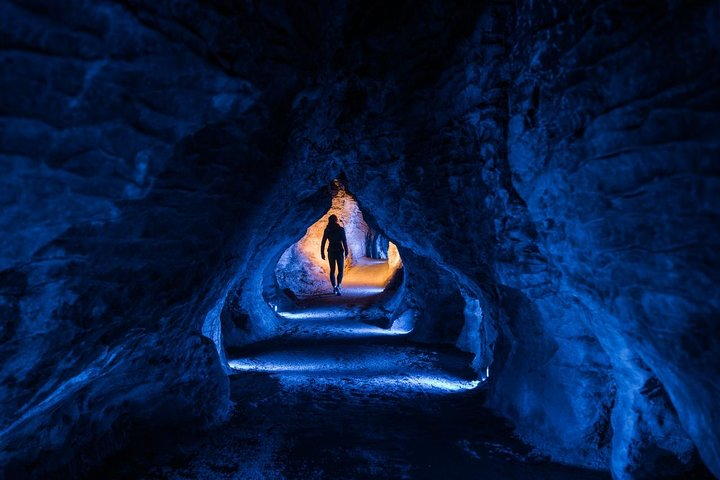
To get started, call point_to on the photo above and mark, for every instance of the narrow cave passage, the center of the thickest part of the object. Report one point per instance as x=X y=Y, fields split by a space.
x=372 y=269
x=348 y=340
x=531 y=192
x=343 y=391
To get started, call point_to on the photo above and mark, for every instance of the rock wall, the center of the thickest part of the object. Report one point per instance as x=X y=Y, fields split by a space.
x=613 y=147
x=131 y=151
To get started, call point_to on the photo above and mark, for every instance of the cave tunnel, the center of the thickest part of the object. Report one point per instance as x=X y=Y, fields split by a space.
x=373 y=262
x=529 y=192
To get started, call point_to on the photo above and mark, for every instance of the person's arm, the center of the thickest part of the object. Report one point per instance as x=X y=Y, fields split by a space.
x=344 y=240
x=322 y=245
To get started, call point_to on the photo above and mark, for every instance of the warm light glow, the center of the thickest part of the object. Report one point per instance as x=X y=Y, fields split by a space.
x=350 y=217
x=302 y=269
x=394 y=261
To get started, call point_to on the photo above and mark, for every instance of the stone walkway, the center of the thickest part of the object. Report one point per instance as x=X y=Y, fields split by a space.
x=334 y=398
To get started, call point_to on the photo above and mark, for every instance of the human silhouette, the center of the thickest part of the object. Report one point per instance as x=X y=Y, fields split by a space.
x=337 y=250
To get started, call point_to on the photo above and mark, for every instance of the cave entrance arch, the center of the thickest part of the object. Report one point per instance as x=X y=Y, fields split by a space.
x=373 y=267
x=369 y=339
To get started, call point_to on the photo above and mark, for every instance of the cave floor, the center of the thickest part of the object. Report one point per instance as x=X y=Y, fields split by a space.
x=363 y=284
x=338 y=399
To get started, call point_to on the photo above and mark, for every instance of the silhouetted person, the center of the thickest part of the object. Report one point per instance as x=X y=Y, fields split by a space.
x=337 y=251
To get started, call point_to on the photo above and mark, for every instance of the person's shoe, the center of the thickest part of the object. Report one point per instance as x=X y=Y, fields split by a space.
x=337 y=291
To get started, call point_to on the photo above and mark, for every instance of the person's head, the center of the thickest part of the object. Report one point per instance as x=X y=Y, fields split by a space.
x=332 y=219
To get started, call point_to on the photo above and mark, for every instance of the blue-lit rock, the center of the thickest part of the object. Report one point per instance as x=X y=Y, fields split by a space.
x=548 y=171
x=613 y=147
x=115 y=134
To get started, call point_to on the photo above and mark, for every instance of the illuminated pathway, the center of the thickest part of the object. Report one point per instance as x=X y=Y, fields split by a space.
x=334 y=398
x=354 y=356
x=363 y=284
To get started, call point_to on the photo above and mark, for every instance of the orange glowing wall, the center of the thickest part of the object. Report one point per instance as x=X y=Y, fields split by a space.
x=303 y=261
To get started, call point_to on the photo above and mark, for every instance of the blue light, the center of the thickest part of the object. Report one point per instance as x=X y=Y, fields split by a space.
x=313 y=373
x=426 y=382
x=396 y=370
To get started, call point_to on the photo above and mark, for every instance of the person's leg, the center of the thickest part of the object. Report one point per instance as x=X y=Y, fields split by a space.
x=341 y=267
x=331 y=261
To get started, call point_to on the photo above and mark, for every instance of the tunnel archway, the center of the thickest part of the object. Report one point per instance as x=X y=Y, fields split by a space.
x=373 y=268
x=362 y=337
x=426 y=300
x=429 y=298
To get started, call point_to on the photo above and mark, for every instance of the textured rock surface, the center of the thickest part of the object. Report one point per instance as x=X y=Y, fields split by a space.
x=614 y=147
x=119 y=125
x=547 y=169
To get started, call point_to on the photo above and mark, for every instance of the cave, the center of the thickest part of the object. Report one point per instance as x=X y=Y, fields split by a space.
x=372 y=266
x=530 y=193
